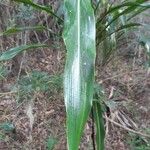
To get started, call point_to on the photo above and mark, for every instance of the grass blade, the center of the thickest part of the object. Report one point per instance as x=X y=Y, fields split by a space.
x=39 y=7
x=100 y=131
x=129 y=8
x=14 y=30
x=79 y=37
x=51 y=143
x=123 y=27
x=11 y=53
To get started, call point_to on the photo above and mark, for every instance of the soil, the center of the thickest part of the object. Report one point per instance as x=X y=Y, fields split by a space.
x=126 y=85
x=41 y=117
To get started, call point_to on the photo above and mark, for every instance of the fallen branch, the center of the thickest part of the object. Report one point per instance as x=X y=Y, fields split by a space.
x=126 y=128
x=7 y=93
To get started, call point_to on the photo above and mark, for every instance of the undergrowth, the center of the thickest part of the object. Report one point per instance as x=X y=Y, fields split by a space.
x=36 y=82
x=137 y=142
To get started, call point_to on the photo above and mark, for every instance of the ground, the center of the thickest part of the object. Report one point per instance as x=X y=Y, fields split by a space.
x=32 y=111
x=126 y=87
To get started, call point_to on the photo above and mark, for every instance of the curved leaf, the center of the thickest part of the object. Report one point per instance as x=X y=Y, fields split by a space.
x=79 y=37
x=11 y=53
x=129 y=8
x=123 y=27
x=39 y=7
x=14 y=30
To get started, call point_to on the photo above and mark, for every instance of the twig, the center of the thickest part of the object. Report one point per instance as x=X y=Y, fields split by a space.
x=6 y=93
x=126 y=128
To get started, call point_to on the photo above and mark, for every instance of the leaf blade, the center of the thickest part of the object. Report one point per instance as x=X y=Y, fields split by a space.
x=100 y=131
x=12 y=52
x=14 y=30
x=39 y=7
x=79 y=69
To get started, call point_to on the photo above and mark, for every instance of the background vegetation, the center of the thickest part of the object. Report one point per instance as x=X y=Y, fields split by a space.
x=31 y=99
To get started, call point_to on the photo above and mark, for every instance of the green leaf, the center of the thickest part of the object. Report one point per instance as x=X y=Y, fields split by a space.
x=50 y=143
x=113 y=23
x=3 y=72
x=2 y=137
x=79 y=37
x=98 y=3
x=145 y=41
x=130 y=8
x=137 y=12
x=14 y=30
x=39 y=7
x=127 y=4
x=7 y=126
x=100 y=131
x=11 y=53
x=123 y=27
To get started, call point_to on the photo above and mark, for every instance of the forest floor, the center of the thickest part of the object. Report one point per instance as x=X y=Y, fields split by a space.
x=38 y=120
x=32 y=111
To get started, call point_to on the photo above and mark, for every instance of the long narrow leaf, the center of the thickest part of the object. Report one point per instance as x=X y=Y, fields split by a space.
x=113 y=9
x=100 y=131
x=126 y=11
x=11 y=53
x=79 y=37
x=14 y=30
x=124 y=27
x=130 y=6
x=137 y=12
x=126 y=4
x=39 y=7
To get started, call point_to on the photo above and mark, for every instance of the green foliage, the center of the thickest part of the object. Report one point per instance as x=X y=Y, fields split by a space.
x=14 y=30
x=25 y=12
x=36 y=82
x=100 y=130
x=137 y=142
x=51 y=143
x=7 y=126
x=79 y=69
x=2 y=137
x=47 y=9
x=99 y=94
x=3 y=72
x=97 y=110
x=113 y=23
x=11 y=53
